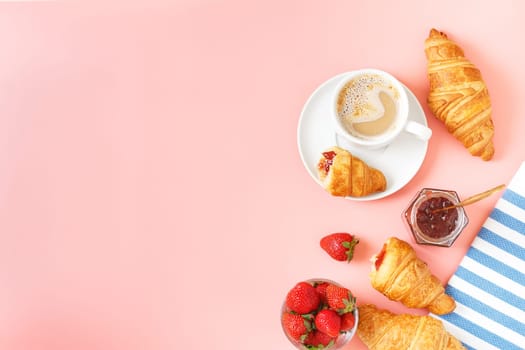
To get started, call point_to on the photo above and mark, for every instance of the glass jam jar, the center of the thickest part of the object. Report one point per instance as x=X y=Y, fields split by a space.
x=430 y=223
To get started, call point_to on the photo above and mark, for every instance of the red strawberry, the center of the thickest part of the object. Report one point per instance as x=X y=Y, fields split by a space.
x=318 y=340
x=321 y=290
x=328 y=322
x=296 y=326
x=347 y=321
x=302 y=298
x=339 y=246
x=340 y=299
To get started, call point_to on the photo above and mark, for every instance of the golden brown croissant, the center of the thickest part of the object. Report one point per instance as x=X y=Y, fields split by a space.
x=383 y=330
x=342 y=174
x=400 y=275
x=458 y=95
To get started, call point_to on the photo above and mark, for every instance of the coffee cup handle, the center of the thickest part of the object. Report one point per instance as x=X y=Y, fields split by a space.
x=418 y=130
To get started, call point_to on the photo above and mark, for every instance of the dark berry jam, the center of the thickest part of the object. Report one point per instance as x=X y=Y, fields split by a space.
x=436 y=224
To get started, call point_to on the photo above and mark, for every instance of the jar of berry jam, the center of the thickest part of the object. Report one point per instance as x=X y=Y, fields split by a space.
x=431 y=221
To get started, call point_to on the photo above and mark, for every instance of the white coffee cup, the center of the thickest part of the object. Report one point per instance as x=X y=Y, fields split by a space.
x=371 y=109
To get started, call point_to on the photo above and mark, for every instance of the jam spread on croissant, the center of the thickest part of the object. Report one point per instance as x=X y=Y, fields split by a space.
x=328 y=161
x=436 y=224
x=379 y=258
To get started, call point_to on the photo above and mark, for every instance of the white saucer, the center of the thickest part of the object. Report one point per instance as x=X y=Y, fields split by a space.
x=399 y=162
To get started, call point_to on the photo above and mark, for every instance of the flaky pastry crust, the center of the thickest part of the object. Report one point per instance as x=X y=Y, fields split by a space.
x=383 y=330
x=401 y=276
x=458 y=95
x=342 y=174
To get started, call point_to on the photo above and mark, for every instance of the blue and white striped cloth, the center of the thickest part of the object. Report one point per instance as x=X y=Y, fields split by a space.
x=489 y=284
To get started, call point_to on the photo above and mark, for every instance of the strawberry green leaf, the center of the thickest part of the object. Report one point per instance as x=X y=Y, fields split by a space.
x=321 y=346
x=303 y=337
x=350 y=247
x=308 y=325
x=349 y=303
x=309 y=317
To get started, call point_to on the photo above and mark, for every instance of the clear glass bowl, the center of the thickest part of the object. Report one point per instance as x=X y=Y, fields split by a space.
x=341 y=340
x=432 y=226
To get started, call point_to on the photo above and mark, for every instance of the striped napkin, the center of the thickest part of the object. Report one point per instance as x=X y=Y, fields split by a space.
x=489 y=284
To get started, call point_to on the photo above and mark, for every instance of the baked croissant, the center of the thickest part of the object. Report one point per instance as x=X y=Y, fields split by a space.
x=383 y=330
x=458 y=95
x=342 y=174
x=400 y=275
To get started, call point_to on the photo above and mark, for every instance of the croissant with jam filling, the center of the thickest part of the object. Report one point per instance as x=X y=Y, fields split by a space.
x=400 y=275
x=343 y=174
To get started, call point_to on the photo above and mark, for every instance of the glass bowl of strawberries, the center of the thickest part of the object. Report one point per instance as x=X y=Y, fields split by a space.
x=319 y=314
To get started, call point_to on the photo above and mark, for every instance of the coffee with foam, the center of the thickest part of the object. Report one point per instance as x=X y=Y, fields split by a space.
x=367 y=105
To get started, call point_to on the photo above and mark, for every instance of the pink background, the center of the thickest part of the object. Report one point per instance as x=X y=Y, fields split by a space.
x=151 y=190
